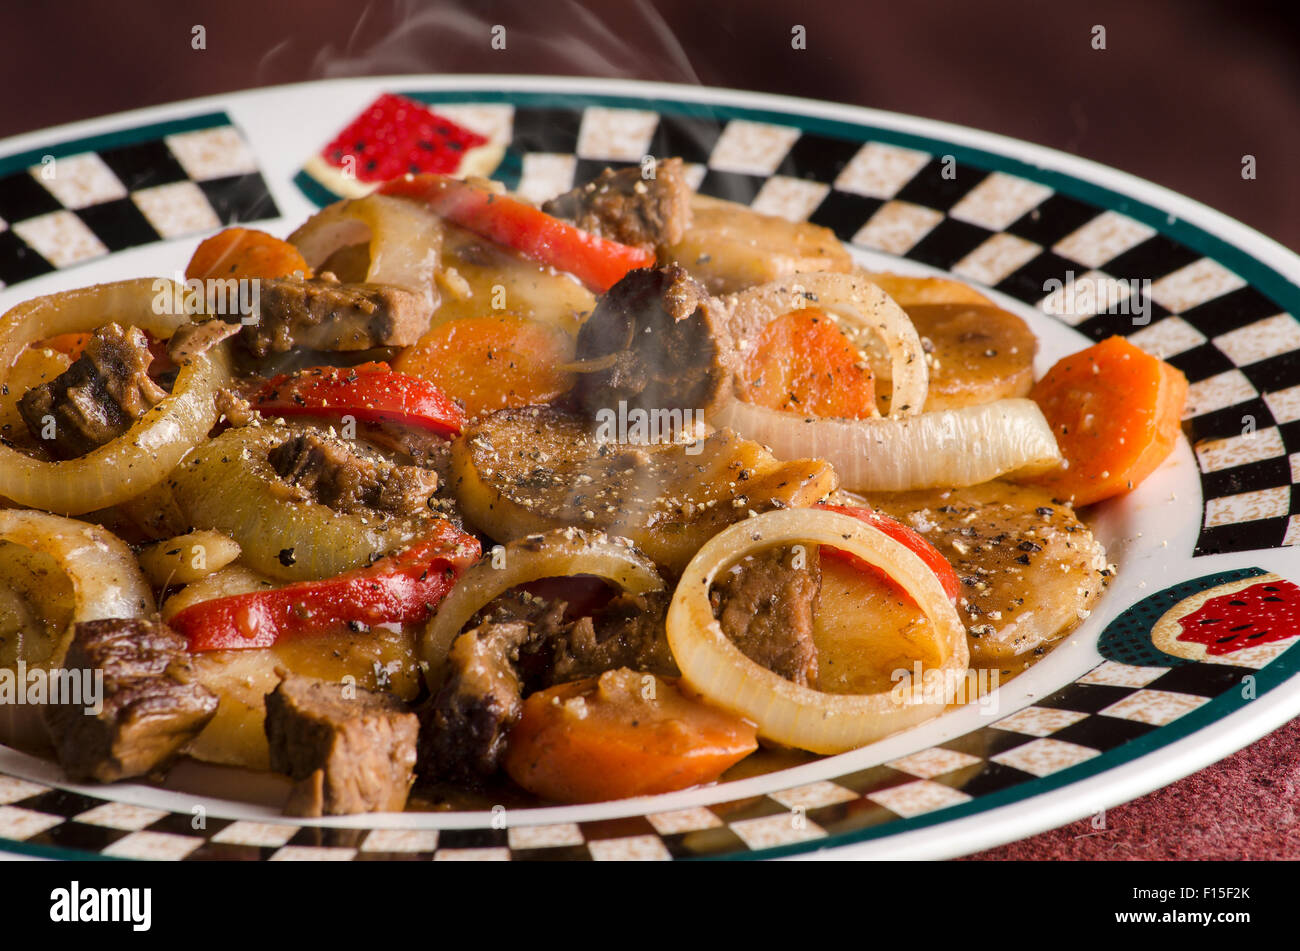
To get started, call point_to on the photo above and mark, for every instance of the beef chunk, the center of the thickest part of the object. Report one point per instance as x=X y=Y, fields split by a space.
x=339 y=474
x=152 y=702
x=647 y=213
x=655 y=340
x=322 y=314
x=349 y=749
x=524 y=643
x=627 y=632
x=765 y=605
x=96 y=399
x=464 y=726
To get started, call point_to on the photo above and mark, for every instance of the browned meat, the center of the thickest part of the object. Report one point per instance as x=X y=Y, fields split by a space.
x=464 y=726
x=200 y=337
x=627 y=632
x=339 y=474
x=648 y=213
x=322 y=314
x=152 y=704
x=349 y=749
x=654 y=340
x=765 y=605
x=96 y=399
x=524 y=643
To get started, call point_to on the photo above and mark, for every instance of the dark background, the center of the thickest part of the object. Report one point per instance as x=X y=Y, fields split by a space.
x=1182 y=91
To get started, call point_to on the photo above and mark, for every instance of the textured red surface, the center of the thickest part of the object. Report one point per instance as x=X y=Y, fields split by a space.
x=1244 y=807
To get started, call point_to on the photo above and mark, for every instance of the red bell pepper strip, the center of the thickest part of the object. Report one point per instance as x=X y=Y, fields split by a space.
x=368 y=392
x=598 y=262
x=899 y=532
x=402 y=588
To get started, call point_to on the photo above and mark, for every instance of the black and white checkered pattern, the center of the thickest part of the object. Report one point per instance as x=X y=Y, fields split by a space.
x=80 y=200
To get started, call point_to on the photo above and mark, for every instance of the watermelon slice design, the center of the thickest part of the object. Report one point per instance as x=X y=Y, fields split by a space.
x=1263 y=613
x=1232 y=623
x=395 y=136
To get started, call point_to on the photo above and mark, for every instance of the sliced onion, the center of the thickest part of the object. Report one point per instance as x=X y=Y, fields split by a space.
x=404 y=237
x=229 y=486
x=560 y=553
x=862 y=308
x=106 y=579
x=784 y=711
x=142 y=456
x=948 y=448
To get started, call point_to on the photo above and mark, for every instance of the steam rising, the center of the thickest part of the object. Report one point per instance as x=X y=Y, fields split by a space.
x=560 y=38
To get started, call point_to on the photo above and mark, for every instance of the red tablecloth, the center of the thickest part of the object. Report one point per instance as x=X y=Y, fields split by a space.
x=1244 y=807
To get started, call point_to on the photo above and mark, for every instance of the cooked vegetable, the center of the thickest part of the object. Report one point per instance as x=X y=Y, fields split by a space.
x=784 y=711
x=490 y=363
x=187 y=558
x=802 y=363
x=1115 y=410
x=900 y=533
x=1030 y=570
x=619 y=735
x=559 y=554
x=947 y=448
x=106 y=580
x=865 y=314
x=597 y=262
x=32 y=367
x=143 y=456
x=979 y=354
x=730 y=246
x=228 y=485
x=245 y=253
x=378 y=659
x=36 y=605
x=398 y=589
x=910 y=292
x=402 y=239
x=368 y=392
x=523 y=471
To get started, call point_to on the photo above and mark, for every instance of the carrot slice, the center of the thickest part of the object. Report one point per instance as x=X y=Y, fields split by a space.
x=69 y=344
x=618 y=735
x=803 y=363
x=491 y=363
x=1115 y=412
x=244 y=252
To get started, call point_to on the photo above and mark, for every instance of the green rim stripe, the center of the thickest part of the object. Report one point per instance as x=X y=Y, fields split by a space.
x=108 y=140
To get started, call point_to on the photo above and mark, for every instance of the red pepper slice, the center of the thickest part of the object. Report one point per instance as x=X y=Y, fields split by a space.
x=899 y=532
x=368 y=392
x=403 y=588
x=598 y=262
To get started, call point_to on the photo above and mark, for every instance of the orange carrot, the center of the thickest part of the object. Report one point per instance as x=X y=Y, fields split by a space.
x=244 y=252
x=1115 y=412
x=491 y=363
x=70 y=344
x=803 y=363
x=619 y=735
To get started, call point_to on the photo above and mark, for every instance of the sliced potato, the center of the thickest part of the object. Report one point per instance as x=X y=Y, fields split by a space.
x=524 y=471
x=979 y=353
x=1030 y=570
x=377 y=659
x=911 y=291
x=187 y=558
x=865 y=629
x=730 y=247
